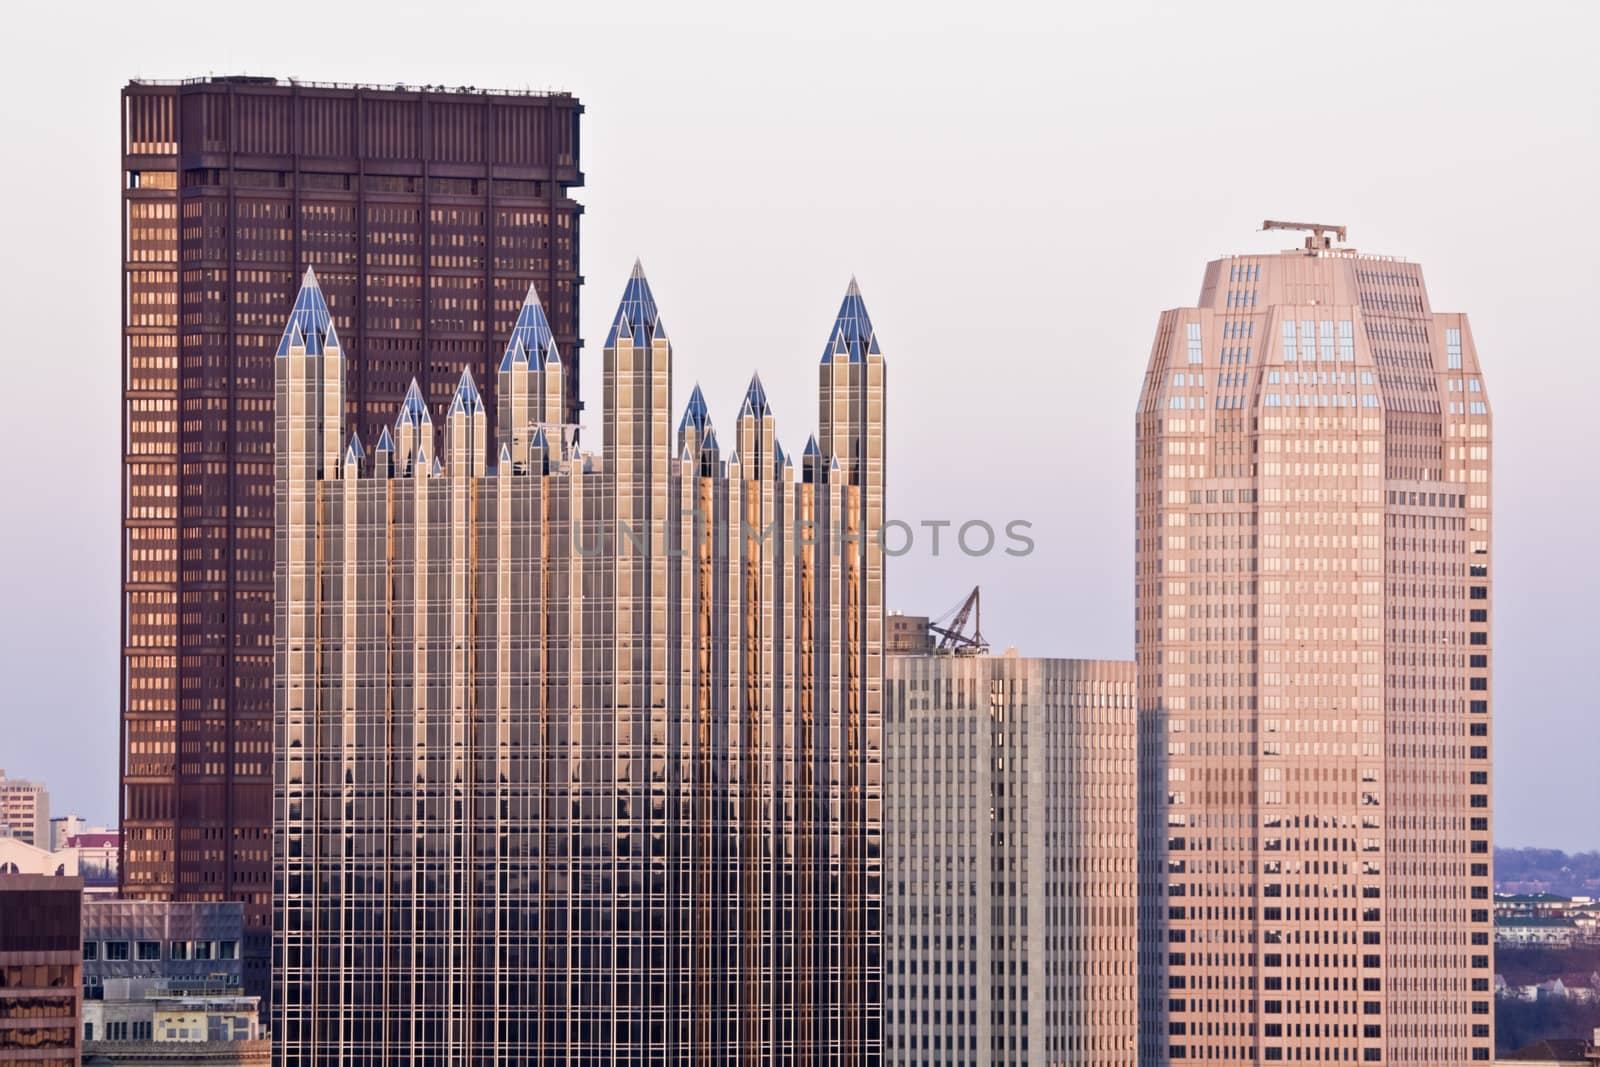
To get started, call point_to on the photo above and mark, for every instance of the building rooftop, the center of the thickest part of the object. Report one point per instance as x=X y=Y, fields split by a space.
x=271 y=81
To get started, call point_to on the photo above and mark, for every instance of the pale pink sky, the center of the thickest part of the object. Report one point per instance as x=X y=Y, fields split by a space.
x=1020 y=189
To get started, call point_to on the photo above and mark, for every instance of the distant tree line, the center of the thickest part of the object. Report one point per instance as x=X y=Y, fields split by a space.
x=1519 y=1023
x=1547 y=870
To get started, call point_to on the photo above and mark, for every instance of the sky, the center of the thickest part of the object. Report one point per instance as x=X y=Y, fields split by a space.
x=1020 y=190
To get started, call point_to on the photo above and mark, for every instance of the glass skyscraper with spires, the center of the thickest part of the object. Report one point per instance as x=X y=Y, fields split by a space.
x=577 y=754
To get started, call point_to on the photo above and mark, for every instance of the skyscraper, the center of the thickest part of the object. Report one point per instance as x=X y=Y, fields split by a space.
x=1313 y=656
x=428 y=213
x=577 y=753
x=1009 y=837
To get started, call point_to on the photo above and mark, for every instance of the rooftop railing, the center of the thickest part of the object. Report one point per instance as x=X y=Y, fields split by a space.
x=397 y=87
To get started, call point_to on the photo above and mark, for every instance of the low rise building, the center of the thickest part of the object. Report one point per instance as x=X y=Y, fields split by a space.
x=147 y=1021
x=94 y=852
x=65 y=826
x=1510 y=905
x=1547 y=930
x=40 y=971
x=173 y=941
x=19 y=857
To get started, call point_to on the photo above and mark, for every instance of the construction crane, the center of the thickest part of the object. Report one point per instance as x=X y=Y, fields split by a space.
x=953 y=640
x=1319 y=239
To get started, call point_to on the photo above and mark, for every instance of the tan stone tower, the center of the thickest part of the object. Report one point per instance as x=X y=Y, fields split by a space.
x=1009 y=861
x=578 y=754
x=1313 y=657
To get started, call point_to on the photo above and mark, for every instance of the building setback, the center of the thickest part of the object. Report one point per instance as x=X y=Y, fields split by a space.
x=1010 y=872
x=428 y=213
x=1313 y=645
x=578 y=753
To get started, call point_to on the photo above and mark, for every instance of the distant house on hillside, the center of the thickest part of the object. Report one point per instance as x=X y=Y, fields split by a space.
x=1535 y=930
x=1531 y=904
x=1557 y=1052
x=1581 y=988
x=1519 y=990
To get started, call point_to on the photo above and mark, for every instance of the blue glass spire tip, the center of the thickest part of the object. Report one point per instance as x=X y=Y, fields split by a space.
x=636 y=318
x=852 y=339
x=309 y=322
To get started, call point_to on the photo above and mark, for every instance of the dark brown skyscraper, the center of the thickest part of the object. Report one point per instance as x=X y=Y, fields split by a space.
x=427 y=214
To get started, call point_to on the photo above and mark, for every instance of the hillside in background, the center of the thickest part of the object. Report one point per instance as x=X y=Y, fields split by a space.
x=1547 y=870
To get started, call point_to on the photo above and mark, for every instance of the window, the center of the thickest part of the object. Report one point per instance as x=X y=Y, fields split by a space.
x=91 y=951
x=1195 y=355
x=179 y=950
x=226 y=950
x=1452 y=347
x=202 y=950
x=149 y=950
x=116 y=950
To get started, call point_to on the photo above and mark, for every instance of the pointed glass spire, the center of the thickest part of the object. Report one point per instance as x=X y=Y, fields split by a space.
x=466 y=399
x=385 y=442
x=852 y=338
x=709 y=443
x=812 y=451
x=696 y=414
x=636 y=313
x=413 y=408
x=355 y=452
x=755 y=399
x=309 y=322
x=531 y=341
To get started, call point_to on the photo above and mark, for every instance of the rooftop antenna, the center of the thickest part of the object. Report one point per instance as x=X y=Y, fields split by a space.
x=1319 y=241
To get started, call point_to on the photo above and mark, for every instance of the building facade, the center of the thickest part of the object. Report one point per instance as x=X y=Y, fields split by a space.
x=1010 y=871
x=1313 y=636
x=428 y=213
x=41 y=1003
x=24 y=811
x=145 y=1022
x=174 y=942
x=578 y=753
x=64 y=826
